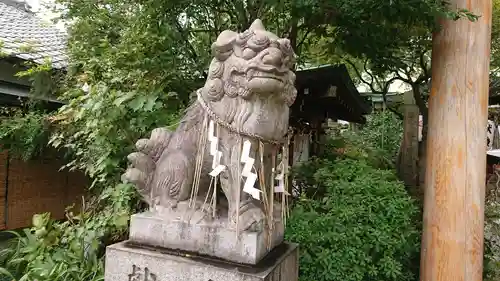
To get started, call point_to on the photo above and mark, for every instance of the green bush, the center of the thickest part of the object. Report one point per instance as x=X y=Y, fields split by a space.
x=72 y=249
x=364 y=227
x=382 y=134
x=492 y=230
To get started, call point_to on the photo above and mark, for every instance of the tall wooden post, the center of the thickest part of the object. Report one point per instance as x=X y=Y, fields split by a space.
x=452 y=246
x=408 y=161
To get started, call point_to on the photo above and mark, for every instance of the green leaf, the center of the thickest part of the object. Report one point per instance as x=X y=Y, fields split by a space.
x=124 y=97
x=5 y=272
x=150 y=103
x=137 y=103
x=40 y=220
x=122 y=220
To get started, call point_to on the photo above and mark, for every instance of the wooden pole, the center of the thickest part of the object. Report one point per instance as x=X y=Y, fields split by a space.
x=452 y=246
x=408 y=161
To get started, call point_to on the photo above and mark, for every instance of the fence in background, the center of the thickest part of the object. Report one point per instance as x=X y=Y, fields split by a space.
x=35 y=186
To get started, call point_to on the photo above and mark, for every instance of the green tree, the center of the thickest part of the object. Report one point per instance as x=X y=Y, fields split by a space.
x=495 y=37
x=411 y=64
x=122 y=49
x=133 y=66
x=495 y=50
x=142 y=59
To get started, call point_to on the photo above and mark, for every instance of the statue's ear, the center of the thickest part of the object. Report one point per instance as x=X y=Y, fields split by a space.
x=213 y=89
x=224 y=42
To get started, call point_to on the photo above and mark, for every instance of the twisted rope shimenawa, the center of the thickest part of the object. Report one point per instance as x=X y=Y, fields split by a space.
x=226 y=125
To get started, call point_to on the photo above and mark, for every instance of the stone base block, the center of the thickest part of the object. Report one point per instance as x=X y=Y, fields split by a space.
x=124 y=261
x=212 y=239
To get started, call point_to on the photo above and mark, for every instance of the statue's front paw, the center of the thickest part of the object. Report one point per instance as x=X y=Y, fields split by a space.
x=142 y=162
x=156 y=144
x=141 y=166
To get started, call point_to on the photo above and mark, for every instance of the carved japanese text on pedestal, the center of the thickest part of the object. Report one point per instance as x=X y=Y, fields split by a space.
x=141 y=274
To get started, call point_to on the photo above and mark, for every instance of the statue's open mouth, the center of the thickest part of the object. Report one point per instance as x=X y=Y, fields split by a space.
x=268 y=72
x=268 y=69
x=267 y=76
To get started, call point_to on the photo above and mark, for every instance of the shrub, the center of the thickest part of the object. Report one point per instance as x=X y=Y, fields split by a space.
x=364 y=227
x=382 y=134
x=72 y=249
x=492 y=229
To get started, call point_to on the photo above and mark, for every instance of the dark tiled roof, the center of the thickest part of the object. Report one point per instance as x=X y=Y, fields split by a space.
x=346 y=104
x=25 y=36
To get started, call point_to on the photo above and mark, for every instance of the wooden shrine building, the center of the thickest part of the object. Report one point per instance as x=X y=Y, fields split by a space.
x=323 y=93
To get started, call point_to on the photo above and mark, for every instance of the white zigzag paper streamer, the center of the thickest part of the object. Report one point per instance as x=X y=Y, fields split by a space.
x=248 y=187
x=280 y=188
x=217 y=168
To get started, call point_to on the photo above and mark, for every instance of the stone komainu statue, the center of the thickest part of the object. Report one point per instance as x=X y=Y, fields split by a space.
x=246 y=99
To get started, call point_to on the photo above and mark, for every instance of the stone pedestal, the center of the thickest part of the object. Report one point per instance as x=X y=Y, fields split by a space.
x=214 y=239
x=126 y=261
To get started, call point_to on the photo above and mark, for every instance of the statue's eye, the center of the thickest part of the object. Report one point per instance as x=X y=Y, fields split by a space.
x=249 y=54
x=243 y=37
x=258 y=42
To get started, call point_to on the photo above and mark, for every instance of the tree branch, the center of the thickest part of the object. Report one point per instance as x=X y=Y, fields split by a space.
x=365 y=68
x=218 y=8
x=215 y=30
x=303 y=40
x=357 y=72
x=419 y=100
x=184 y=36
x=292 y=35
x=423 y=64
x=382 y=92
x=406 y=80
x=254 y=8
x=421 y=79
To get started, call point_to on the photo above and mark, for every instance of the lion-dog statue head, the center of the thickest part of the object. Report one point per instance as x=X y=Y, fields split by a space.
x=250 y=84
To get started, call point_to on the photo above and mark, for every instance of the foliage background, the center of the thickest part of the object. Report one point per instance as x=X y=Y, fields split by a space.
x=138 y=62
x=381 y=135
x=354 y=220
